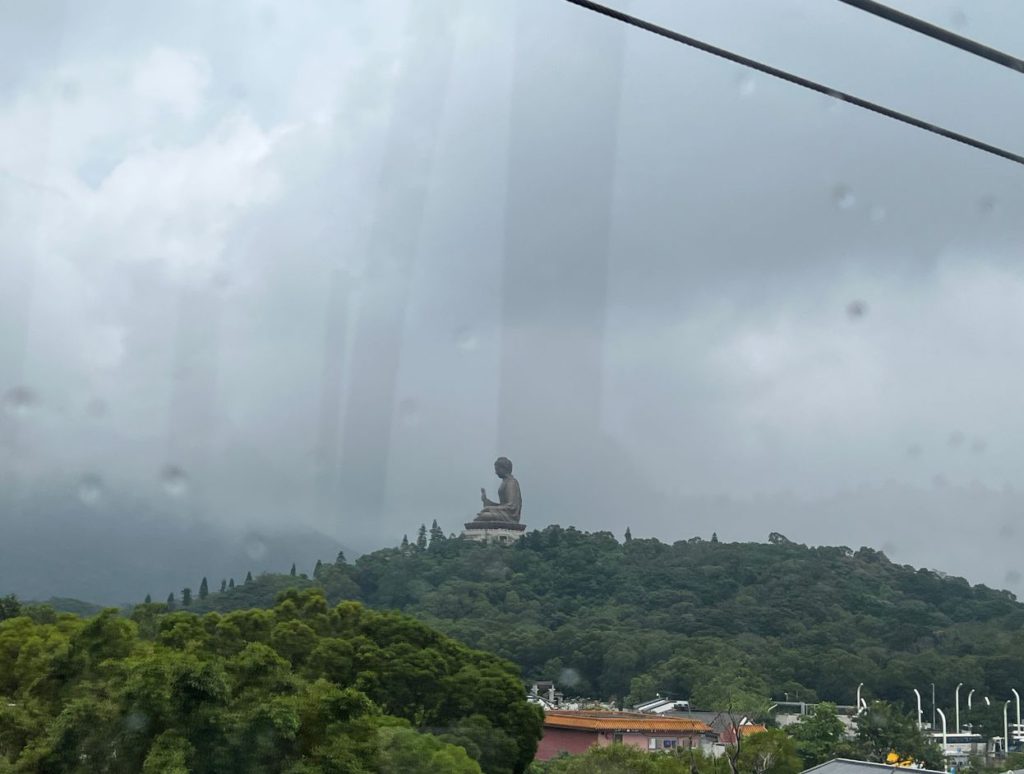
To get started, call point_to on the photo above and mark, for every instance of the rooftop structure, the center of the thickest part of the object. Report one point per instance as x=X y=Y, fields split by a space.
x=660 y=706
x=846 y=766
x=576 y=732
x=622 y=721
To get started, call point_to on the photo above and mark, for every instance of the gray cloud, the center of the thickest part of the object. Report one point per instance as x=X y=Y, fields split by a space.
x=329 y=262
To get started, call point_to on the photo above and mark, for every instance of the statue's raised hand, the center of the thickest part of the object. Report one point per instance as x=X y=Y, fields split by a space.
x=483 y=496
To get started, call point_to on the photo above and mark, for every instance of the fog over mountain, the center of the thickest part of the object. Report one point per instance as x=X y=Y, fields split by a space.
x=306 y=269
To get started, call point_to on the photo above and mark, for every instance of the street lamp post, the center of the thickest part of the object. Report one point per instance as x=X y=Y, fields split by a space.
x=933 y=706
x=943 y=716
x=1006 y=730
x=1017 y=696
x=858 y=697
x=970 y=693
x=920 y=721
x=958 y=686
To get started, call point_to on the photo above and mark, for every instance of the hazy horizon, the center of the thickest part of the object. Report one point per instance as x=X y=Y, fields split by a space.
x=309 y=269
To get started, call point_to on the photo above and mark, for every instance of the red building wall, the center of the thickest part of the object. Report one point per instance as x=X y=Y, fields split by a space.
x=570 y=740
x=576 y=741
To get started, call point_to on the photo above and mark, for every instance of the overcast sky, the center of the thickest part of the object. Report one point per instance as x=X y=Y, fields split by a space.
x=286 y=265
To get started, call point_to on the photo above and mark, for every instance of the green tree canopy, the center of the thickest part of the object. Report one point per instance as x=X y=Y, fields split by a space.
x=302 y=686
x=882 y=729
x=10 y=607
x=819 y=736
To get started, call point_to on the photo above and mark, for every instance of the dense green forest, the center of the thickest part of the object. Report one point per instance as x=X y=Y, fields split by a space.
x=714 y=622
x=264 y=674
x=301 y=687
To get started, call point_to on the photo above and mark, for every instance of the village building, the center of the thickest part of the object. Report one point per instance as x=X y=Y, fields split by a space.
x=577 y=732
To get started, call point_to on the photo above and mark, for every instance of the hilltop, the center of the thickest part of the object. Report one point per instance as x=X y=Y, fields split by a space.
x=715 y=622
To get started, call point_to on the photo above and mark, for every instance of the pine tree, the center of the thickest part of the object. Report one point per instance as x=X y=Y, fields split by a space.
x=248 y=578
x=149 y=600
x=436 y=535
x=629 y=535
x=421 y=538
x=405 y=543
x=318 y=569
x=714 y=537
x=170 y=601
x=231 y=583
x=292 y=571
x=223 y=585
x=186 y=597
x=340 y=560
x=204 y=589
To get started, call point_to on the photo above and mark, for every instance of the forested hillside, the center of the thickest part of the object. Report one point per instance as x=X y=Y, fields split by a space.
x=300 y=688
x=712 y=621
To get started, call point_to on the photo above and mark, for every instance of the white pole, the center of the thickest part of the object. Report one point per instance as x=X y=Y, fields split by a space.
x=920 y=712
x=958 y=686
x=943 y=716
x=970 y=693
x=858 y=697
x=1018 y=711
x=987 y=702
x=1006 y=730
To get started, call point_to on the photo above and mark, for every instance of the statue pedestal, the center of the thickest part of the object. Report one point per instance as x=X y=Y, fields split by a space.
x=493 y=532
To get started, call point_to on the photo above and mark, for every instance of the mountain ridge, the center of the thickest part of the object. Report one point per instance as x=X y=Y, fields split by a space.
x=715 y=621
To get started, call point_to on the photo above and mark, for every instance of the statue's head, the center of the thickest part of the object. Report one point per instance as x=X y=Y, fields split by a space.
x=503 y=467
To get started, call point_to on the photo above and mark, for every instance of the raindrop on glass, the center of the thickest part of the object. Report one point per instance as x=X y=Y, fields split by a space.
x=255 y=549
x=70 y=91
x=220 y=282
x=856 y=309
x=877 y=213
x=987 y=205
x=979 y=445
x=746 y=84
x=466 y=339
x=914 y=451
x=19 y=400
x=956 y=439
x=135 y=722
x=408 y=411
x=96 y=408
x=1006 y=531
x=90 y=489
x=939 y=481
x=569 y=677
x=174 y=480
x=843 y=197
x=1013 y=577
x=958 y=19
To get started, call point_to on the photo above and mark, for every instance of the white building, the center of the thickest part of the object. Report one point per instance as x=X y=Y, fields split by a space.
x=660 y=706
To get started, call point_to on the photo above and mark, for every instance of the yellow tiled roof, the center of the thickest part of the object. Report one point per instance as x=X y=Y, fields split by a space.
x=753 y=728
x=622 y=721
